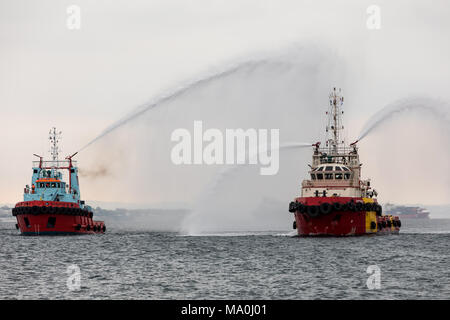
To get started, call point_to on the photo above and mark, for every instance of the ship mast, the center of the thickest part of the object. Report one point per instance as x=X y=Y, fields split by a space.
x=54 y=138
x=335 y=121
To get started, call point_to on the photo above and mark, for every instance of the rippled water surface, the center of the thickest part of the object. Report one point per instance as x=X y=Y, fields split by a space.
x=126 y=264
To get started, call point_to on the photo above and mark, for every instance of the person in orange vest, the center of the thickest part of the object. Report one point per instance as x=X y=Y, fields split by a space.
x=32 y=188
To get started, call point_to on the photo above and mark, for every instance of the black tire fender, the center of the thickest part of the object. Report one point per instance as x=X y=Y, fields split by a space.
x=313 y=211
x=325 y=208
x=359 y=206
x=351 y=206
x=35 y=210
x=337 y=206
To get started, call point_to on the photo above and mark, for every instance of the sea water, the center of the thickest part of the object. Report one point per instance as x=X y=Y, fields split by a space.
x=137 y=264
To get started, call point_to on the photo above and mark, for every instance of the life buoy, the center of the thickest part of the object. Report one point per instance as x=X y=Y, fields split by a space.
x=325 y=208
x=313 y=211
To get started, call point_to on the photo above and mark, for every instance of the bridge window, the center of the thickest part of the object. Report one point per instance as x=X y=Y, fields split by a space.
x=346 y=176
x=345 y=169
x=338 y=169
x=313 y=176
x=329 y=169
x=47 y=185
x=53 y=184
x=338 y=176
x=320 y=169
x=319 y=176
x=41 y=185
x=328 y=176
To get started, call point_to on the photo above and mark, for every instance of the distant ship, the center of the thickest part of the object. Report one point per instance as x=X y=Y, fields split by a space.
x=335 y=201
x=51 y=206
x=407 y=212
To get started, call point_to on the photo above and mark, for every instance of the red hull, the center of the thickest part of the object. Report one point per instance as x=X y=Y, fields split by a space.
x=55 y=218
x=344 y=222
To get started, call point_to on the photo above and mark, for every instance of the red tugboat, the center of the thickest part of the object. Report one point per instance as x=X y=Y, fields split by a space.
x=335 y=201
x=51 y=206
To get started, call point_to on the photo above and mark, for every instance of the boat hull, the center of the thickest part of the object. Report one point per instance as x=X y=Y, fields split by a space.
x=55 y=218
x=342 y=222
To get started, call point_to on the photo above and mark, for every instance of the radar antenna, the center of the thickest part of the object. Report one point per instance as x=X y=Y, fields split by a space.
x=54 y=137
x=335 y=120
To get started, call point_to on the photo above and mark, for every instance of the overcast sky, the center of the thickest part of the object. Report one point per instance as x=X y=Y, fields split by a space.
x=126 y=52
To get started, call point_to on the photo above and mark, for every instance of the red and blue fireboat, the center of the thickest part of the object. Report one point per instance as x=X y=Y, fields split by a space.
x=52 y=206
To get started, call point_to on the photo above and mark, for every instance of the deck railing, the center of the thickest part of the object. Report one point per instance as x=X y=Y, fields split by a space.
x=54 y=164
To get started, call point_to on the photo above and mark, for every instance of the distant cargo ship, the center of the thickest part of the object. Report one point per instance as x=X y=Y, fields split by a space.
x=51 y=206
x=407 y=212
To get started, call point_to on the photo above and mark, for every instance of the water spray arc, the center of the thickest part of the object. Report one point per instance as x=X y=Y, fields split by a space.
x=435 y=107
x=173 y=94
x=193 y=224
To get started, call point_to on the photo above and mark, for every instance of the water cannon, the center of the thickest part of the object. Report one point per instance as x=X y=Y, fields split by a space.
x=354 y=146
x=70 y=160
x=316 y=145
x=70 y=157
